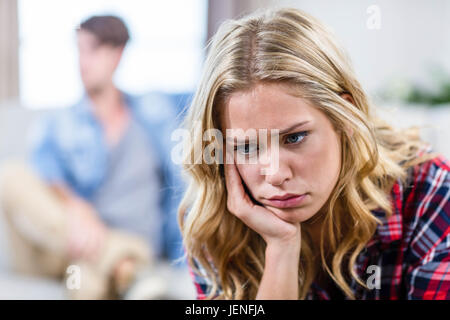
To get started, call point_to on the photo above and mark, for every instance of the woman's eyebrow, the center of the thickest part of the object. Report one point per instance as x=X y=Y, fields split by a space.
x=239 y=141
x=246 y=140
x=295 y=126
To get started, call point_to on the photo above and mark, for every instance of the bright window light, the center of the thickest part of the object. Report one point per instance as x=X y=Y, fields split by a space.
x=165 y=52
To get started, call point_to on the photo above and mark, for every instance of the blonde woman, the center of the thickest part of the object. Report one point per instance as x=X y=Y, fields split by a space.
x=354 y=208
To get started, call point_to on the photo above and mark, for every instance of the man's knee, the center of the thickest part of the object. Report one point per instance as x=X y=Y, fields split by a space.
x=15 y=176
x=29 y=207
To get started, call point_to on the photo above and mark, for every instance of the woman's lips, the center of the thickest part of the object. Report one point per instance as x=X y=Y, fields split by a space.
x=287 y=202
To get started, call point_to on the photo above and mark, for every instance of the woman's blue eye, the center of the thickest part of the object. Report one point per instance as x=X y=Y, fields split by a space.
x=246 y=149
x=296 y=137
x=249 y=149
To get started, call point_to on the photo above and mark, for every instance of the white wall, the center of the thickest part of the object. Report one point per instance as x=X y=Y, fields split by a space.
x=165 y=51
x=413 y=34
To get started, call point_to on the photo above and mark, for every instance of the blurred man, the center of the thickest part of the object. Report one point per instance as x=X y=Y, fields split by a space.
x=102 y=192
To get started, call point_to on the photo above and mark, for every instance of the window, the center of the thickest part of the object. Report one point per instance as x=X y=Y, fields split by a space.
x=165 y=51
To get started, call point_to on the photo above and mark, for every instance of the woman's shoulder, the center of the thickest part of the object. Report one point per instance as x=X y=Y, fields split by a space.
x=426 y=185
x=422 y=217
x=435 y=166
x=423 y=201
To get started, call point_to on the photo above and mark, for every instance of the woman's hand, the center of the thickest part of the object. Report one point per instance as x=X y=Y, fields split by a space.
x=269 y=226
x=283 y=239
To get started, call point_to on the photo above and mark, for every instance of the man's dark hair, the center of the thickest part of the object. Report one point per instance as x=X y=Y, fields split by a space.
x=109 y=30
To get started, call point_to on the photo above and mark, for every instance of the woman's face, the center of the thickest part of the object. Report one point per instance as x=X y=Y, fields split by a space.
x=309 y=158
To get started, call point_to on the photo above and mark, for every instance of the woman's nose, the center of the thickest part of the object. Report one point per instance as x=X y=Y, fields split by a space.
x=276 y=170
x=278 y=177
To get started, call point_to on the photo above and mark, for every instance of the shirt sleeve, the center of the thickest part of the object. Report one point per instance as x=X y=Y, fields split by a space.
x=203 y=285
x=45 y=155
x=430 y=280
x=428 y=275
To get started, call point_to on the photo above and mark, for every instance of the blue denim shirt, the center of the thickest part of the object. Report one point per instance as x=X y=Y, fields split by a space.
x=69 y=147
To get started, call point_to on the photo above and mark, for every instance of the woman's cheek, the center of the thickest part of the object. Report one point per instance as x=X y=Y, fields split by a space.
x=315 y=166
x=249 y=175
x=328 y=167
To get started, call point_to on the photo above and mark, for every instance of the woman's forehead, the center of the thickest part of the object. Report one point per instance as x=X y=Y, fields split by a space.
x=266 y=106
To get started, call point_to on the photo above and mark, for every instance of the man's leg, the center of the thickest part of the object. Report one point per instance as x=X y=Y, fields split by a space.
x=35 y=220
x=37 y=228
x=98 y=279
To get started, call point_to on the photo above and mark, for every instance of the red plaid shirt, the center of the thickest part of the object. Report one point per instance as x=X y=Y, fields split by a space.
x=410 y=249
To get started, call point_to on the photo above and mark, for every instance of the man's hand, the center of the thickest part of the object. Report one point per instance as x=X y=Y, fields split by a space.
x=86 y=232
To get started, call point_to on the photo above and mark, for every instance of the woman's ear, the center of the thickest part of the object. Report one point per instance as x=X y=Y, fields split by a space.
x=349 y=98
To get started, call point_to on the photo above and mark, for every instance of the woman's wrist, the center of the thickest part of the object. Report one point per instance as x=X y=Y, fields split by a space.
x=283 y=250
x=292 y=241
x=280 y=278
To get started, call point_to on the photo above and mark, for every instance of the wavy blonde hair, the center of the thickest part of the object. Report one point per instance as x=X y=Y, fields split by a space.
x=288 y=46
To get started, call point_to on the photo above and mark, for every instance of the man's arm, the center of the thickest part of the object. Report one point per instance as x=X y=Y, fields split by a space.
x=85 y=231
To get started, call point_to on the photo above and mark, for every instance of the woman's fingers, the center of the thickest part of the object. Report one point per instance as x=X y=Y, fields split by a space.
x=237 y=200
x=258 y=218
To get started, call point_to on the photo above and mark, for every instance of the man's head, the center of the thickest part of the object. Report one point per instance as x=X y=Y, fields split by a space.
x=101 y=40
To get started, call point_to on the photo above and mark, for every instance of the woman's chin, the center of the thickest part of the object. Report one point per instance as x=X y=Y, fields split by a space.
x=292 y=215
